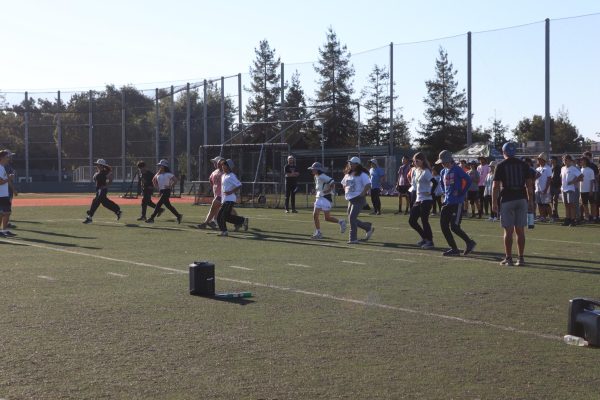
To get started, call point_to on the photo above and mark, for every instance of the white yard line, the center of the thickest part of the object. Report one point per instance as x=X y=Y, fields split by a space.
x=353 y=262
x=307 y=293
x=115 y=274
x=403 y=260
x=48 y=278
x=299 y=265
x=238 y=267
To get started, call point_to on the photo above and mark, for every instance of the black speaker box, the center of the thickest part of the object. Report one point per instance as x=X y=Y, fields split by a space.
x=202 y=279
x=584 y=320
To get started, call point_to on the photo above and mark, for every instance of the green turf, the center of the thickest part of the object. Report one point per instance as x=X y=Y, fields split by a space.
x=122 y=324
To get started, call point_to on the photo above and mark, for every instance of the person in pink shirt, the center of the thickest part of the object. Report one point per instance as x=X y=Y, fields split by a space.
x=215 y=183
x=484 y=170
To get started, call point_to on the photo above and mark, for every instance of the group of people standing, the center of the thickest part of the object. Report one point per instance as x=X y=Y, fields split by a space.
x=7 y=191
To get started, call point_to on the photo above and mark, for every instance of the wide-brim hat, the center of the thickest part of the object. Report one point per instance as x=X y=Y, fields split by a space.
x=354 y=160
x=101 y=161
x=216 y=159
x=163 y=163
x=317 y=166
x=543 y=156
x=444 y=157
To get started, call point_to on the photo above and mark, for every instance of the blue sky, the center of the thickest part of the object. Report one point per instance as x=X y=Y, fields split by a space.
x=63 y=44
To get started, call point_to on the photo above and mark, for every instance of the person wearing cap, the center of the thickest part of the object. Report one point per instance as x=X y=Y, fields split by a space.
x=377 y=175
x=425 y=185
x=587 y=187
x=356 y=185
x=542 y=187
x=5 y=203
x=12 y=191
x=594 y=195
x=324 y=186
x=215 y=182
x=291 y=184
x=484 y=170
x=455 y=184
x=403 y=184
x=230 y=184
x=102 y=178
x=487 y=192
x=473 y=193
x=146 y=188
x=164 y=180
x=570 y=178
x=513 y=180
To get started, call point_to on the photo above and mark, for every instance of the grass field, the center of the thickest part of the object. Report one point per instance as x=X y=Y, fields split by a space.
x=103 y=311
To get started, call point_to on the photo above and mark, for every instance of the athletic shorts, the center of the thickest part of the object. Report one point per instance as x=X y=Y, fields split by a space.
x=472 y=195
x=403 y=189
x=5 y=205
x=585 y=198
x=542 y=198
x=513 y=213
x=322 y=203
x=554 y=191
x=569 y=197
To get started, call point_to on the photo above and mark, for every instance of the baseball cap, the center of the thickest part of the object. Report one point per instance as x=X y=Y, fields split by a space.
x=318 y=166
x=163 y=163
x=542 y=156
x=230 y=163
x=509 y=148
x=101 y=161
x=444 y=157
x=216 y=159
x=374 y=162
x=354 y=160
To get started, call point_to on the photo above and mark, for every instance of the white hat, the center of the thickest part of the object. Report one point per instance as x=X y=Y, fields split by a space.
x=163 y=163
x=318 y=166
x=374 y=162
x=354 y=160
x=101 y=161
x=216 y=159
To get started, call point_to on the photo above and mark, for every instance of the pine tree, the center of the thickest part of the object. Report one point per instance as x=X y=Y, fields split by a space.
x=497 y=133
x=445 y=126
x=335 y=92
x=295 y=109
x=377 y=102
x=265 y=89
x=402 y=138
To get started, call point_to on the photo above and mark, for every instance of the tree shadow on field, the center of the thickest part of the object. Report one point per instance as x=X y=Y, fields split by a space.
x=61 y=244
x=57 y=234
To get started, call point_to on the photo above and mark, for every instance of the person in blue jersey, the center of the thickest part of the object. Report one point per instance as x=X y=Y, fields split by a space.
x=455 y=184
x=377 y=178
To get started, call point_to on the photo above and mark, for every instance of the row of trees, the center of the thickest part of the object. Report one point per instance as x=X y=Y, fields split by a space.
x=330 y=115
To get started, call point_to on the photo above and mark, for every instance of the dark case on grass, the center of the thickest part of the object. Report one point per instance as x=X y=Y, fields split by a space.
x=584 y=320
x=202 y=278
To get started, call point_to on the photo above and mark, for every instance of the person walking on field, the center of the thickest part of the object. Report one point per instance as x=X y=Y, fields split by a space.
x=324 y=186
x=594 y=200
x=164 y=180
x=377 y=178
x=570 y=176
x=356 y=184
x=146 y=187
x=12 y=191
x=473 y=193
x=403 y=184
x=291 y=184
x=425 y=185
x=487 y=192
x=215 y=181
x=455 y=184
x=102 y=178
x=513 y=180
x=229 y=186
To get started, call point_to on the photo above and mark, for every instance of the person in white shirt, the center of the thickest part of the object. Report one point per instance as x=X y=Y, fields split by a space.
x=229 y=186
x=487 y=191
x=324 y=186
x=424 y=184
x=215 y=181
x=356 y=185
x=570 y=176
x=5 y=203
x=542 y=187
x=587 y=187
x=164 y=180
x=484 y=170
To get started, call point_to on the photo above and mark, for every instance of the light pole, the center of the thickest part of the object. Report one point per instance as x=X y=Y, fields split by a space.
x=358 y=129
x=323 y=140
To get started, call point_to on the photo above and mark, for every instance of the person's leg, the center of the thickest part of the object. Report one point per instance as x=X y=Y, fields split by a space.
x=316 y=213
x=447 y=213
x=214 y=209
x=520 y=231
x=508 y=241
x=222 y=215
x=360 y=204
x=234 y=218
x=293 y=197
x=353 y=211
x=288 y=191
x=413 y=220
x=407 y=198
x=159 y=204
x=483 y=207
x=329 y=217
x=4 y=221
x=375 y=198
x=455 y=227
x=425 y=209
x=108 y=203
x=95 y=204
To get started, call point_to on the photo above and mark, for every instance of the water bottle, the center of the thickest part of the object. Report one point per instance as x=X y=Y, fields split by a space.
x=530 y=221
x=575 y=340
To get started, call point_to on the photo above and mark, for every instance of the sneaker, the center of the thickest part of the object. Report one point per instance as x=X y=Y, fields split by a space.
x=451 y=253
x=11 y=226
x=150 y=220
x=343 y=225
x=378 y=213
x=508 y=261
x=295 y=211
x=406 y=212
x=223 y=233
x=88 y=220
x=159 y=212
x=179 y=218
x=213 y=224
x=421 y=242
x=317 y=236
x=236 y=228
x=427 y=245
x=353 y=241
x=373 y=213
x=470 y=247
x=118 y=213
x=397 y=212
x=490 y=219
x=520 y=262
x=369 y=234
x=287 y=211
x=142 y=218
x=201 y=226
x=245 y=224
x=9 y=234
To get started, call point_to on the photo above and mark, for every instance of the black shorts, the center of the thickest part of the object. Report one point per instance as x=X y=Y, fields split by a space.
x=5 y=205
x=585 y=198
x=402 y=189
x=472 y=196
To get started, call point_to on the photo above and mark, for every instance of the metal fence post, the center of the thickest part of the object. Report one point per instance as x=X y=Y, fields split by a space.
x=547 y=117
x=204 y=116
x=172 y=153
x=240 y=102
x=282 y=114
x=222 y=110
x=157 y=127
x=59 y=137
x=27 y=136
x=391 y=135
x=90 y=134
x=469 y=110
x=123 y=137
x=188 y=120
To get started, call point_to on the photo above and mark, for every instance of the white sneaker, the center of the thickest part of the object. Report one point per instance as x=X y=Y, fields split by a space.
x=317 y=236
x=343 y=225
x=369 y=234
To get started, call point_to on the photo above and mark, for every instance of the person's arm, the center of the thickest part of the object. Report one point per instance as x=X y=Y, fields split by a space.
x=155 y=180
x=530 y=194
x=468 y=181
x=173 y=181
x=109 y=178
x=495 y=193
x=366 y=189
x=434 y=184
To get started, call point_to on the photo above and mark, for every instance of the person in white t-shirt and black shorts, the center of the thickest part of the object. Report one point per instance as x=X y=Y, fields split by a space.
x=230 y=184
x=542 y=187
x=164 y=180
x=356 y=185
x=570 y=177
x=324 y=186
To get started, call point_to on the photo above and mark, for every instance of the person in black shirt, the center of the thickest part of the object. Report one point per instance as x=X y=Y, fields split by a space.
x=513 y=179
x=594 y=198
x=291 y=184
x=146 y=188
x=555 y=186
x=102 y=178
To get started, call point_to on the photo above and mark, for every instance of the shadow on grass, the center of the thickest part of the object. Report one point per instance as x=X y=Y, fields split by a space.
x=240 y=301
x=303 y=241
x=61 y=244
x=549 y=263
x=57 y=234
x=25 y=222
